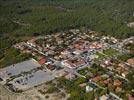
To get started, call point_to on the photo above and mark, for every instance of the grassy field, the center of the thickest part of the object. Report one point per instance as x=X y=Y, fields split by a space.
x=100 y=55
x=110 y=52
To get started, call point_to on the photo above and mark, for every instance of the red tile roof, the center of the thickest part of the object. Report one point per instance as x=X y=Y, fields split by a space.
x=131 y=61
x=42 y=61
x=117 y=82
x=130 y=98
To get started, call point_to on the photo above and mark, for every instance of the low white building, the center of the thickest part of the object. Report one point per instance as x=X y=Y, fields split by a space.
x=89 y=89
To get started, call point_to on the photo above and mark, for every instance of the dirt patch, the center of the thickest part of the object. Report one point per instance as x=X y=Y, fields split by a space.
x=32 y=94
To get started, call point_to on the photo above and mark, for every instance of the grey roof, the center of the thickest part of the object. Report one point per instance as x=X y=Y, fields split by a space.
x=37 y=78
x=19 y=68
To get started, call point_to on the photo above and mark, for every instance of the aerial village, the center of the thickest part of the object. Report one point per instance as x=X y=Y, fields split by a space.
x=96 y=62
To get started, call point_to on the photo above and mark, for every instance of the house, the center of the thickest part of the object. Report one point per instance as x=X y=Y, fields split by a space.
x=89 y=89
x=118 y=89
x=19 y=46
x=131 y=24
x=61 y=73
x=51 y=67
x=106 y=82
x=39 y=48
x=82 y=85
x=107 y=62
x=104 y=97
x=42 y=61
x=93 y=57
x=46 y=49
x=73 y=63
x=51 y=52
x=75 y=31
x=34 y=53
x=76 y=46
x=28 y=51
x=67 y=64
x=96 y=79
x=124 y=73
x=114 y=40
x=130 y=97
x=95 y=45
x=79 y=62
x=77 y=52
x=56 y=57
x=117 y=83
x=131 y=61
x=31 y=42
x=66 y=52
x=70 y=76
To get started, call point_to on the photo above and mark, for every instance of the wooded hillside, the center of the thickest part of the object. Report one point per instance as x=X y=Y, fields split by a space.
x=25 y=17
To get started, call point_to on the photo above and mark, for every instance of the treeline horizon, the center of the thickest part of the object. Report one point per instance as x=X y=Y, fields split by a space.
x=27 y=17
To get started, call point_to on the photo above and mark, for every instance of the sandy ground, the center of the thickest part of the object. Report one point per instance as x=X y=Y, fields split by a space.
x=32 y=94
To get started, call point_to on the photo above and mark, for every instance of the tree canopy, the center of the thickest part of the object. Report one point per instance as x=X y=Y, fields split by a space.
x=25 y=17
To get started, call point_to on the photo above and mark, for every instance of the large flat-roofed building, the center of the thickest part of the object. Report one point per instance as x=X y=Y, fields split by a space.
x=24 y=75
x=16 y=69
x=31 y=80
